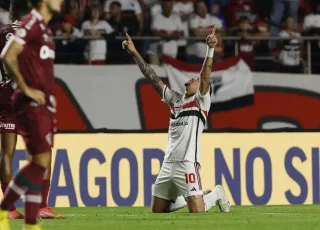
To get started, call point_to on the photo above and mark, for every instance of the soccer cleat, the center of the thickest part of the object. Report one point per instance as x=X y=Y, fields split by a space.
x=31 y=227
x=4 y=220
x=15 y=215
x=223 y=201
x=48 y=213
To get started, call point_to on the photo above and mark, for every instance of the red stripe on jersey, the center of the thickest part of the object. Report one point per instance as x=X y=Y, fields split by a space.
x=190 y=104
x=205 y=112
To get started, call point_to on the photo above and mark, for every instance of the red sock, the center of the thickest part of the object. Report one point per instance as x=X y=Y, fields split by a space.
x=45 y=192
x=4 y=186
x=27 y=181
x=32 y=204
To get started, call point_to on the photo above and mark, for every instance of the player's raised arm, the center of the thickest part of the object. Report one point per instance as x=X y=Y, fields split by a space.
x=146 y=70
x=207 y=65
x=9 y=56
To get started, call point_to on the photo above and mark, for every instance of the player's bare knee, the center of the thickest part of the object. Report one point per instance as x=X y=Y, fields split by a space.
x=43 y=159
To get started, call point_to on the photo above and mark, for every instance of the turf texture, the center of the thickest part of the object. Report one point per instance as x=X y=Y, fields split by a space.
x=306 y=217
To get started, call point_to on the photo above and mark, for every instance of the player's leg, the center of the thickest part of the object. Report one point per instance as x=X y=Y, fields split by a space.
x=217 y=197
x=164 y=190
x=8 y=146
x=45 y=211
x=187 y=178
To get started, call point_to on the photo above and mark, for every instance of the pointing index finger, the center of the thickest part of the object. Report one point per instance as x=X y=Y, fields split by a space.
x=128 y=37
x=213 y=30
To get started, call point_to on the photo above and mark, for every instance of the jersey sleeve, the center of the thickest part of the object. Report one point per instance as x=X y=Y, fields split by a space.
x=156 y=23
x=108 y=28
x=204 y=100
x=169 y=96
x=194 y=23
x=28 y=31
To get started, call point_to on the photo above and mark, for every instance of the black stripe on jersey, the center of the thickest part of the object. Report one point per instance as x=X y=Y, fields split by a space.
x=197 y=132
x=196 y=113
x=164 y=93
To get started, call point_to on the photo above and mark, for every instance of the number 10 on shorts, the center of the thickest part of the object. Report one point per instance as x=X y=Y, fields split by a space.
x=190 y=178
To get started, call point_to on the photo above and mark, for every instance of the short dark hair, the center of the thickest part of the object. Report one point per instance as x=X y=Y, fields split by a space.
x=243 y=19
x=115 y=3
x=34 y=2
x=19 y=8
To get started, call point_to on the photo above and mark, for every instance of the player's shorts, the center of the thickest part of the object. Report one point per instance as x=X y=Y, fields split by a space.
x=177 y=178
x=7 y=117
x=36 y=124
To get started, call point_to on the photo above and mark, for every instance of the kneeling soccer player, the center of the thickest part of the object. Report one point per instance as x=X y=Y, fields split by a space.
x=180 y=172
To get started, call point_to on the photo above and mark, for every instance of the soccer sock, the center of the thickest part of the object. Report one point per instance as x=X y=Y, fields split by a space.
x=28 y=178
x=178 y=204
x=210 y=199
x=45 y=192
x=32 y=203
x=4 y=187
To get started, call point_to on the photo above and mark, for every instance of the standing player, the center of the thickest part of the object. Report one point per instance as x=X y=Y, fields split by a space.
x=7 y=120
x=18 y=8
x=180 y=170
x=29 y=56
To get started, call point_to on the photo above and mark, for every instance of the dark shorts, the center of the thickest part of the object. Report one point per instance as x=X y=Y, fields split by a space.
x=36 y=124
x=7 y=117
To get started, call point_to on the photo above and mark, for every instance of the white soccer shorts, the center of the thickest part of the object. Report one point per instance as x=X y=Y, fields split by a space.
x=178 y=178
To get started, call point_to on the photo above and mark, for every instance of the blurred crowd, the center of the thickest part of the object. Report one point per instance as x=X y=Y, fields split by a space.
x=176 y=21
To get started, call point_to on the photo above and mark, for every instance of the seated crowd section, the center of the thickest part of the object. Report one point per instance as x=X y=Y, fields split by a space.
x=88 y=31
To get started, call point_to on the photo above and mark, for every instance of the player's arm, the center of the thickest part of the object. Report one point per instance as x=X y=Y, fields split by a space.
x=10 y=56
x=146 y=70
x=207 y=65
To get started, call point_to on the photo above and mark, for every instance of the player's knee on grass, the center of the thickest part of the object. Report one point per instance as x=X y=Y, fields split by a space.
x=196 y=204
x=159 y=205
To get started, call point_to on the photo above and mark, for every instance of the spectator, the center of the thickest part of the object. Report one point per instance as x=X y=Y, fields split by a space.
x=78 y=8
x=96 y=50
x=169 y=27
x=312 y=21
x=277 y=14
x=129 y=8
x=70 y=49
x=184 y=9
x=215 y=10
x=246 y=49
x=201 y=25
x=121 y=26
x=290 y=53
x=239 y=8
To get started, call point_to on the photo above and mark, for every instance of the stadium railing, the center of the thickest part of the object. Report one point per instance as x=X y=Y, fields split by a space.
x=235 y=43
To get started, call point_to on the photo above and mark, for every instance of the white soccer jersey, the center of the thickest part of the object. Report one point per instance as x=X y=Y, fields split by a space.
x=208 y=22
x=290 y=53
x=187 y=121
x=96 y=49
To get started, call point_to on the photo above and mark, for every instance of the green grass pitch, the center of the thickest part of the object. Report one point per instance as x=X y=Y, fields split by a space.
x=304 y=217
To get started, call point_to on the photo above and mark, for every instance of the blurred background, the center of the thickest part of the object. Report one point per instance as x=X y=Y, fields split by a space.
x=261 y=32
x=275 y=85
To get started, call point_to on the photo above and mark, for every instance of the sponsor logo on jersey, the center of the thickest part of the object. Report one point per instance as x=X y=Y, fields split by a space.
x=46 y=52
x=7 y=126
x=182 y=123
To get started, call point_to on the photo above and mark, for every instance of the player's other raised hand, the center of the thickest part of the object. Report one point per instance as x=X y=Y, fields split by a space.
x=128 y=45
x=35 y=95
x=212 y=40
